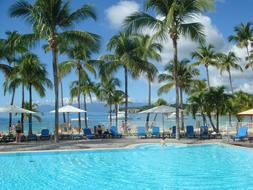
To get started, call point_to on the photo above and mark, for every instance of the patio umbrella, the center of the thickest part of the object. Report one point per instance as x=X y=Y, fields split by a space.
x=14 y=109
x=161 y=110
x=246 y=113
x=69 y=109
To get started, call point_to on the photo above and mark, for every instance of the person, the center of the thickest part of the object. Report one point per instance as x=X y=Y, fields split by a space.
x=106 y=134
x=18 y=129
x=99 y=131
x=122 y=126
x=163 y=142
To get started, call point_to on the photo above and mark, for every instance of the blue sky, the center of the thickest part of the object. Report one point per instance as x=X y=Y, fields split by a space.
x=219 y=24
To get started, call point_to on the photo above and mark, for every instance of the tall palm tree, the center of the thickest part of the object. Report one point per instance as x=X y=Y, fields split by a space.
x=206 y=56
x=171 y=20
x=12 y=47
x=125 y=54
x=243 y=36
x=86 y=89
x=107 y=90
x=149 y=50
x=226 y=63
x=185 y=77
x=49 y=19
x=63 y=70
x=81 y=63
x=30 y=72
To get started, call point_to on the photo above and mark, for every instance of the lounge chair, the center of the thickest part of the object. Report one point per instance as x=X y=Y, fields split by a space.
x=174 y=129
x=204 y=132
x=88 y=134
x=190 y=131
x=141 y=132
x=114 y=132
x=241 y=133
x=155 y=132
x=45 y=134
x=32 y=137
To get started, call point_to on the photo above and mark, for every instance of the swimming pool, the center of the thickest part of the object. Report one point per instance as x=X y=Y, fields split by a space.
x=144 y=167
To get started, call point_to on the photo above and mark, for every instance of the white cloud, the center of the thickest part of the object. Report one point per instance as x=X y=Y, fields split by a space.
x=117 y=13
x=186 y=45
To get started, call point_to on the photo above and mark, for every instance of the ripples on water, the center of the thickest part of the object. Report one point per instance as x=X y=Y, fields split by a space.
x=145 y=167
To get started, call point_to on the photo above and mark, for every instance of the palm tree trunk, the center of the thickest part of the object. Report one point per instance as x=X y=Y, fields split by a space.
x=116 y=115
x=230 y=80
x=12 y=102
x=203 y=118
x=126 y=98
x=217 y=121
x=110 y=114
x=182 y=112
x=56 y=87
x=30 y=132
x=149 y=103
x=211 y=121
x=62 y=104
x=23 y=105
x=78 y=94
x=207 y=76
x=85 y=113
x=174 y=39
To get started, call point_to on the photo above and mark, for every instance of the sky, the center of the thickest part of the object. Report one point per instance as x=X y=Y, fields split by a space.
x=218 y=25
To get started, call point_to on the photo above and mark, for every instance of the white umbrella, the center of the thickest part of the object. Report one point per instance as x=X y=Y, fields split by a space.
x=162 y=110
x=69 y=109
x=14 y=109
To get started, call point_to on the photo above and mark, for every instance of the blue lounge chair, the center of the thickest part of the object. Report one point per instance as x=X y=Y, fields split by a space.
x=241 y=133
x=141 y=132
x=173 y=134
x=45 y=134
x=155 y=132
x=190 y=131
x=204 y=132
x=114 y=132
x=88 y=134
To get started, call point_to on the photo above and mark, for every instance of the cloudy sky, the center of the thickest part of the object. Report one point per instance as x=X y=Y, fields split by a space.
x=218 y=26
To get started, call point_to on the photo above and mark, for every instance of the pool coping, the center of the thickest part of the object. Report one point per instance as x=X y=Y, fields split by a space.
x=131 y=146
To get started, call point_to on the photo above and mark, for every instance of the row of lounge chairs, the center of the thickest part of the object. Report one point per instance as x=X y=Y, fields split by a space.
x=155 y=132
x=113 y=132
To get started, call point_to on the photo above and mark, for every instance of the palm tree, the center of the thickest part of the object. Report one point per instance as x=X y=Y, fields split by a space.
x=30 y=72
x=34 y=109
x=206 y=56
x=63 y=70
x=86 y=89
x=171 y=20
x=185 y=79
x=243 y=36
x=125 y=54
x=49 y=19
x=106 y=92
x=12 y=47
x=226 y=62
x=149 y=50
x=80 y=53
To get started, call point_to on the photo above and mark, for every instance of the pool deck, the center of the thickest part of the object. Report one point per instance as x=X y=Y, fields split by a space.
x=104 y=144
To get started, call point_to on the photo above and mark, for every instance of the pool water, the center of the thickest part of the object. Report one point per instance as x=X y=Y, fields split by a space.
x=144 y=167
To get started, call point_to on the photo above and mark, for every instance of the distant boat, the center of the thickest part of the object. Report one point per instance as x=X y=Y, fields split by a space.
x=121 y=115
x=76 y=119
x=173 y=116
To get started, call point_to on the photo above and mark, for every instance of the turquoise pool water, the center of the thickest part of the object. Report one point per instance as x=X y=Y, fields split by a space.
x=144 y=167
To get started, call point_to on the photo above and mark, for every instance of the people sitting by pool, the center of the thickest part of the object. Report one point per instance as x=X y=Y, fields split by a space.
x=106 y=133
x=99 y=131
x=163 y=142
x=18 y=129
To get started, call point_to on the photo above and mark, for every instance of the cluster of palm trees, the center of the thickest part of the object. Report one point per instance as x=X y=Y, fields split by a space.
x=133 y=49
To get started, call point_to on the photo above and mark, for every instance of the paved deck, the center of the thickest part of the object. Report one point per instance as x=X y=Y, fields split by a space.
x=94 y=144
